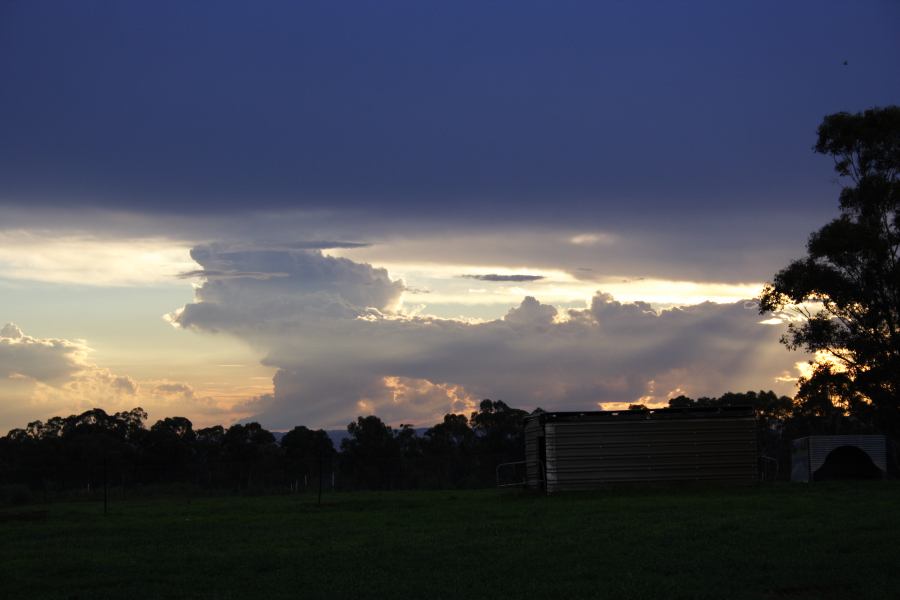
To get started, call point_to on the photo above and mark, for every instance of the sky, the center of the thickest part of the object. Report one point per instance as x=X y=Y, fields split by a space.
x=298 y=213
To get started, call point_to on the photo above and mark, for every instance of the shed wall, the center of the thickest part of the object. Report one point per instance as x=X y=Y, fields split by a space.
x=589 y=454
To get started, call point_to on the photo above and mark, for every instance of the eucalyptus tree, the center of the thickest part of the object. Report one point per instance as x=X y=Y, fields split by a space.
x=845 y=293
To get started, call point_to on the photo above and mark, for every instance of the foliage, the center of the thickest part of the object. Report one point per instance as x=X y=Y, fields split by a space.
x=769 y=406
x=307 y=456
x=452 y=452
x=371 y=453
x=500 y=428
x=846 y=292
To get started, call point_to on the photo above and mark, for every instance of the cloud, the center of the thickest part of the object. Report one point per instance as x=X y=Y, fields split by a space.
x=174 y=389
x=42 y=360
x=341 y=349
x=321 y=245
x=314 y=287
x=518 y=149
x=42 y=377
x=706 y=248
x=496 y=277
x=257 y=245
x=333 y=398
x=111 y=248
x=49 y=374
x=86 y=259
x=531 y=313
x=11 y=332
x=214 y=274
x=591 y=239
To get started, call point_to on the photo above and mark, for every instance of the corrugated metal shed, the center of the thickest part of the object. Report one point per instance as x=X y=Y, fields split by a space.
x=579 y=451
x=534 y=453
x=809 y=454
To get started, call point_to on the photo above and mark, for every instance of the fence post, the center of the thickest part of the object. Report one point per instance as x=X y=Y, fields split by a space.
x=105 y=483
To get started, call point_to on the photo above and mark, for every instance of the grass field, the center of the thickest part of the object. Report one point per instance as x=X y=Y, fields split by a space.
x=776 y=541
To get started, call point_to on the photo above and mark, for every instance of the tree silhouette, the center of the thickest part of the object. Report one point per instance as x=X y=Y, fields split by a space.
x=306 y=453
x=450 y=447
x=499 y=428
x=169 y=448
x=846 y=291
x=247 y=448
x=371 y=453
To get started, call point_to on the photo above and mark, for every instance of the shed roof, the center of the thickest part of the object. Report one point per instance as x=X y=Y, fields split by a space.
x=700 y=412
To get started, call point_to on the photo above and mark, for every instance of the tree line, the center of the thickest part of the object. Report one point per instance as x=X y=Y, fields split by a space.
x=94 y=448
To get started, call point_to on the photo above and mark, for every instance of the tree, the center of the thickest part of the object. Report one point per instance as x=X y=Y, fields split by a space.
x=247 y=448
x=208 y=445
x=409 y=449
x=168 y=448
x=499 y=427
x=453 y=433
x=828 y=402
x=846 y=292
x=450 y=448
x=178 y=427
x=371 y=452
x=307 y=452
x=303 y=442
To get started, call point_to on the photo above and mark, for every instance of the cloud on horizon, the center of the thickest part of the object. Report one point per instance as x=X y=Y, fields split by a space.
x=43 y=377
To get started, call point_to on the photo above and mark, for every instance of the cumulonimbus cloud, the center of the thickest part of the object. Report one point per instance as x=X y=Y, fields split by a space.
x=341 y=348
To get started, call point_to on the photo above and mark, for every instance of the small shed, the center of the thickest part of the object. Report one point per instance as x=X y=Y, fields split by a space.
x=587 y=450
x=822 y=457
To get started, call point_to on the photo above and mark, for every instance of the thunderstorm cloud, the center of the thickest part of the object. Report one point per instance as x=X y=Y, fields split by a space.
x=334 y=331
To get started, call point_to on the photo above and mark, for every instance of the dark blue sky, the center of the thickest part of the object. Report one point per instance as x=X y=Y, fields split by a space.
x=524 y=111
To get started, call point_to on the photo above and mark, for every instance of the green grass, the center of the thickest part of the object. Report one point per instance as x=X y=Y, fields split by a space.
x=775 y=541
